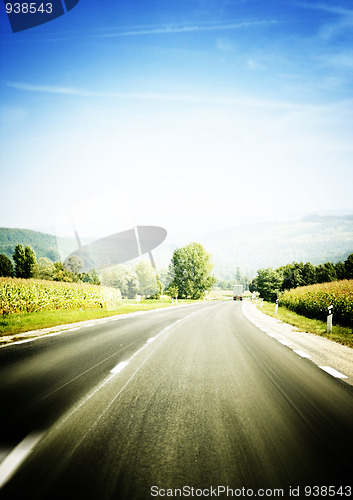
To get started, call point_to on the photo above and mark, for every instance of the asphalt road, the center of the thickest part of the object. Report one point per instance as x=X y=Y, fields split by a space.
x=195 y=397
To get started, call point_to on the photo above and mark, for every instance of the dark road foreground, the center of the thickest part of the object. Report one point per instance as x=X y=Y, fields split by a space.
x=183 y=402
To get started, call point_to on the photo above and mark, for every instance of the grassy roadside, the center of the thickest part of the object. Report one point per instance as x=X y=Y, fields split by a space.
x=18 y=323
x=340 y=334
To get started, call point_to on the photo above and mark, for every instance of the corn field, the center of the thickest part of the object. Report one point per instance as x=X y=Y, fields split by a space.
x=312 y=301
x=30 y=295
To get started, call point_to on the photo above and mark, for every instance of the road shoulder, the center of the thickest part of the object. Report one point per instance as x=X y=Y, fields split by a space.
x=322 y=351
x=32 y=335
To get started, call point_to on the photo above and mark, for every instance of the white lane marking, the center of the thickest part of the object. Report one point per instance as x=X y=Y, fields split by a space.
x=13 y=461
x=17 y=456
x=114 y=373
x=272 y=335
x=333 y=372
x=303 y=354
x=283 y=342
x=120 y=366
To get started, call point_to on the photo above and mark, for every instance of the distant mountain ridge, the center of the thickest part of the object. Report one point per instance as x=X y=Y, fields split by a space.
x=316 y=239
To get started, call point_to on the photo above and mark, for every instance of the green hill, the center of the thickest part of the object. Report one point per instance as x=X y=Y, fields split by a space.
x=43 y=244
x=312 y=239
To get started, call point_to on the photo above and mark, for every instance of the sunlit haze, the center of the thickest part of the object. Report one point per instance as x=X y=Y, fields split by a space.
x=201 y=114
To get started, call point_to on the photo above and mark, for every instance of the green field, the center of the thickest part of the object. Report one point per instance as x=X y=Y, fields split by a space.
x=18 y=323
x=313 y=301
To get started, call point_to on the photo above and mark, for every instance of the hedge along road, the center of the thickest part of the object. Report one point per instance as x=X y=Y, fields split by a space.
x=194 y=397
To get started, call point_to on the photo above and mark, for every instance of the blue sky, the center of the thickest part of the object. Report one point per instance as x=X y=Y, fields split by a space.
x=193 y=115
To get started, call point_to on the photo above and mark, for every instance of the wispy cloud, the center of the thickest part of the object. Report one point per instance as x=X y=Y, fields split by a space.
x=215 y=100
x=187 y=28
x=52 y=89
x=342 y=23
x=147 y=30
x=335 y=9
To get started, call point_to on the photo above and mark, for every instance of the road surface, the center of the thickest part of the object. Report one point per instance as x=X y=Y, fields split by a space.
x=184 y=401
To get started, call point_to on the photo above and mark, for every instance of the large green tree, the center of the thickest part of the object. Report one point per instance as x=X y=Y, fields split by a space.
x=19 y=260
x=190 y=270
x=30 y=262
x=269 y=283
x=6 y=267
x=25 y=261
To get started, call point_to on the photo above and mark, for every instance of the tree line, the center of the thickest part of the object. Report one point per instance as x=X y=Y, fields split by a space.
x=188 y=275
x=269 y=281
x=25 y=265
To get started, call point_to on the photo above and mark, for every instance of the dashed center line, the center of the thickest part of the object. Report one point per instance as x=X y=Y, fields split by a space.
x=13 y=461
x=16 y=457
x=120 y=366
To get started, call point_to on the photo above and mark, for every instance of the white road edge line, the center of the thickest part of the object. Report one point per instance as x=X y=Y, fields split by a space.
x=95 y=322
x=303 y=354
x=13 y=461
x=274 y=336
x=284 y=342
x=120 y=366
x=333 y=372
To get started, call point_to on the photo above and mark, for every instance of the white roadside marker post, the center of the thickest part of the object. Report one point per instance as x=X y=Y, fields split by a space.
x=329 y=319
x=276 y=306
